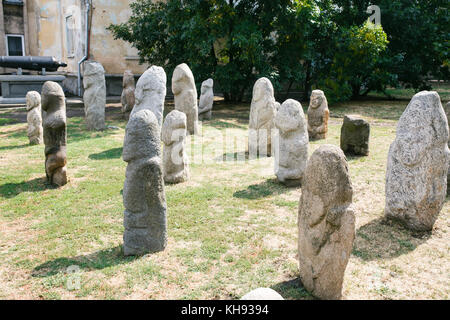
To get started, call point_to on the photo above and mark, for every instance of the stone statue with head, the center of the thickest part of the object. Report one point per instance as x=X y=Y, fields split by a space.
x=55 y=134
x=318 y=115
x=185 y=94
x=145 y=219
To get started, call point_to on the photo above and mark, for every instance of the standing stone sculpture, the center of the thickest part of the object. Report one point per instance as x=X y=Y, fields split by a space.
x=326 y=223
x=175 y=160
x=185 y=92
x=447 y=112
x=94 y=96
x=416 y=178
x=318 y=115
x=55 y=134
x=292 y=154
x=34 y=118
x=262 y=113
x=127 y=98
x=151 y=92
x=355 y=134
x=206 y=100
x=144 y=199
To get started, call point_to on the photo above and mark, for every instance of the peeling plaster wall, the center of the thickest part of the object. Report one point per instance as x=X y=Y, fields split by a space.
x=115 y=55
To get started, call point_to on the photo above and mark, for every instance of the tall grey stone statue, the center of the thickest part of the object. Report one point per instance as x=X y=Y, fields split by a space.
x=176 y=165
x=416 y=178
x=291 y=155
x=55 y=133
x=326 y=223
x=447 y=112
x=145 y=219
x=262 y=113
x=151 y=92
x=318 y=116
x=34 y=118
x=127 y=98
x=185 y=93
x=206 y=100
x=94 y=96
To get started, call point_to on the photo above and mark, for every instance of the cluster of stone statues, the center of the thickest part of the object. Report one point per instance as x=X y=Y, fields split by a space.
x=416 y=178
x=417 y=169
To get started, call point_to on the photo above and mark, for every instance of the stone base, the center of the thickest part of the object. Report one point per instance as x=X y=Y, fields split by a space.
x=16 y=87
x=205 y=116
x=290 y=183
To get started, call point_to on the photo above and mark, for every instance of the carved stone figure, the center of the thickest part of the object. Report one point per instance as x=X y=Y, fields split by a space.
x=447 y=112
x=416 y=178
x=55 y=135
x=34 y=118
x=151 y=92
x=262 y=113
x=185 y=93
x=206 y=100
x=94 y=96
x=318 y=115
x=127 y=98
x=326 y=223
x=292 y=154
x=144 y=199
x=176 y=166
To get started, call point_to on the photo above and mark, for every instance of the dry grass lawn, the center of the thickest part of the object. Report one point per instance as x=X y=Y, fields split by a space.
x=232 y=227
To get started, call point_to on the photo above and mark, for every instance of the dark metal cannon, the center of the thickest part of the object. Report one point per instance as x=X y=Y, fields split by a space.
x=31 y=63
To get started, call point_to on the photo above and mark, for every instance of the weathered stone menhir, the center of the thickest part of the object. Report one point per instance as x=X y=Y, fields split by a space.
x=326 y=223
x=262 y=114
x=34 y=118
x=291 y=154
x=318 y=116
x=144 y=198
x=416 y=178
x=127 y=98
x=94 y=96
x=185 y=95
x=176 y=165
x=447 y=112
x=55 y=134
x=355 y=135
x=206 y=100
x=151 y=92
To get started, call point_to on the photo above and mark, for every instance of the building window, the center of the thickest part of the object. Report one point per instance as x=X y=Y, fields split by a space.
x=15 y=45
x=70 y=27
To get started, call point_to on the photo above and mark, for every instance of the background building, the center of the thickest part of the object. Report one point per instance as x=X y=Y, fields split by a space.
x=58 y=28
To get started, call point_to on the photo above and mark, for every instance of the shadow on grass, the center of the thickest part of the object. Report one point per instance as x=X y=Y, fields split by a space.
x=292 y=290
x=11 y=190
x=258 y=191
x=15 y=147
x=386 y=239
x=233 y=157
x=115 y=153
x=96 y=261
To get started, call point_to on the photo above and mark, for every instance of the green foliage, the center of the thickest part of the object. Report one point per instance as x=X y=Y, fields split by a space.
x=355 y=67
x=418 y=34
x=308 y=43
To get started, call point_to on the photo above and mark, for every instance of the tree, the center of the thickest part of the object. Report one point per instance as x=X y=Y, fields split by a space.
x=418 y=34
x=232 y=41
